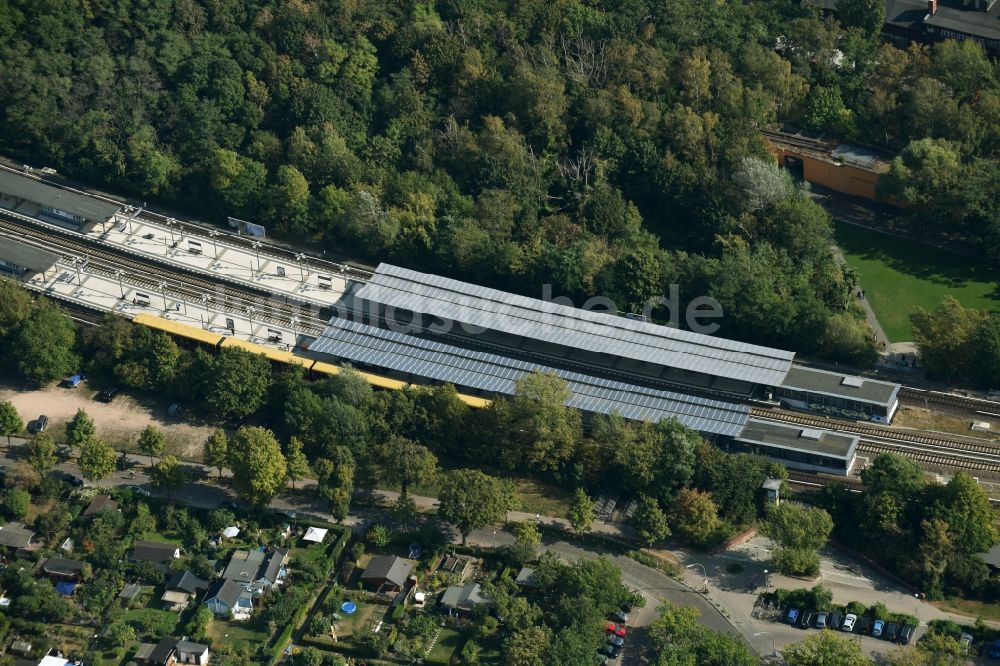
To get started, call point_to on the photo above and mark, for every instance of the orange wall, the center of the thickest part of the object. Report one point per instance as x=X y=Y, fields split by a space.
x=843 y=178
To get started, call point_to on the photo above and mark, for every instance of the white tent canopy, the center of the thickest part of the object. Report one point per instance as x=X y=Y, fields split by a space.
x=230 y=532
x=315 y=534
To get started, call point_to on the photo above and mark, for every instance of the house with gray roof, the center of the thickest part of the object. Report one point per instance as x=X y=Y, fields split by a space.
x=386 y=573
x=463 y=600
x=230 y=598
x=15 y=536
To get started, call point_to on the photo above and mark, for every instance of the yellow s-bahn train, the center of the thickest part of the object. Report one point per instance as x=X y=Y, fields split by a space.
x=313 y=367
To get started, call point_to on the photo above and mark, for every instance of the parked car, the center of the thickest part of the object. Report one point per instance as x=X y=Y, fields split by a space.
x=139 y=490
x=73 y=380
x=621 y=617
x=607 y=651
x=994 y=650
x=615 y=629
x=849 y=621
x=601 y=659
x=792 y=616
x=835 y=620
x=175 y=409
x=863 y=626
x=616 y=641
x=877 y=627
x=39 y=424
x=108 y=394
x=905 y=634
x=890 y=631
x=807 y=620
x=965 y=640
x=627 y=606
x=820 y=621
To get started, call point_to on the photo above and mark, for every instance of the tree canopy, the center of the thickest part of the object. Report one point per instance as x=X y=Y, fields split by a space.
x=470 y=500
x=258 y=466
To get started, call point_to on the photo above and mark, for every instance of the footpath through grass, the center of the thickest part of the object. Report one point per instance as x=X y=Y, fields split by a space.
x=899 y=275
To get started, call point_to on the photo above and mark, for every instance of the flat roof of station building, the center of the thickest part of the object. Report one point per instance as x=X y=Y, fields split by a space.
x=32 y=189
x=590 y=332
x=807 y=440
x=835 y=384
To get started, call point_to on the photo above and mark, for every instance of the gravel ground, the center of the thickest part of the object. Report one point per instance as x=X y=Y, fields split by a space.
x=119 y=422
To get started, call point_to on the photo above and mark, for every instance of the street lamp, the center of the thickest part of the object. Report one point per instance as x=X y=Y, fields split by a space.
x=703 y=571
x=204 y=309
x=118 y=274
x=256 y=248
x=774 y=652
x=250 y=313
x=299 y=258
x=170 y=227
x=213 y=234
x=163 y=293
x=767 y=582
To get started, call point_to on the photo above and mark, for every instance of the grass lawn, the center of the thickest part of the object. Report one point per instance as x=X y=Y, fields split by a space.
x=970 y=608
x=899 y=275
x=160 y=622
x=448 y=641
x=236 y=633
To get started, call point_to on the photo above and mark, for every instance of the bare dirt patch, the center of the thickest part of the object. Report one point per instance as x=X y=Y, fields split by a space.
x=119 y=422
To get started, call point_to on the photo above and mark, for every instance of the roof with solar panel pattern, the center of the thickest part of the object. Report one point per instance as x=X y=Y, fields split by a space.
x=426 y=328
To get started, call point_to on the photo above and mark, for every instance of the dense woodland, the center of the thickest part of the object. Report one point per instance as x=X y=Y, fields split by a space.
x=605 y=147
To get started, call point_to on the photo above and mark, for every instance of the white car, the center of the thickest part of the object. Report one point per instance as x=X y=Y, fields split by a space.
x=849 y=621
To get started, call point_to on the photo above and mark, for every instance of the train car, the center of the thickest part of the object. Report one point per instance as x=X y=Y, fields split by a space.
x=277 y=356
x=192 y=334
x=216 y=341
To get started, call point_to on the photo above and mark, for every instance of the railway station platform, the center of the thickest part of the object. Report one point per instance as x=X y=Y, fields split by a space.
x=219 y=255
x=102 y=290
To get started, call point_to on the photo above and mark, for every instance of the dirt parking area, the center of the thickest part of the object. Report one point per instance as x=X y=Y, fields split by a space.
x=119 y=422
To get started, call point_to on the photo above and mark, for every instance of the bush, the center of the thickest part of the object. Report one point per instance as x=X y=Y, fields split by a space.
x=857 y=608
x=397 y=612
x=796 y=562
x=16 y=503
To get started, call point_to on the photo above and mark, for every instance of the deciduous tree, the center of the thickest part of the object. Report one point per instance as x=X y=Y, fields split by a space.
x=80 y=429
x=258 y=465
x=826 y=647
x=581 y=513
x=470 y=500
x=97 y=459
x=152 y=442
x=42 y=453
x=10 y=421
x=295 y=461
x=168 y=475
x=649 y=521
x=45 y=344
x=216 y=452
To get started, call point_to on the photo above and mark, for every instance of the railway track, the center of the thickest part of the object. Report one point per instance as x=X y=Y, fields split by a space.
x=949 y=452
x=159 y=278
x=972 y=404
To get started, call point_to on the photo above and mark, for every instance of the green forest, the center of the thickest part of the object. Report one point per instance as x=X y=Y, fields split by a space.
x=602 y=146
